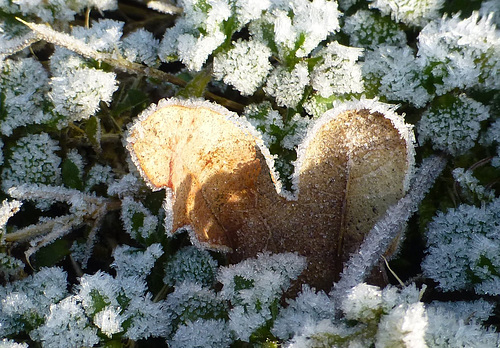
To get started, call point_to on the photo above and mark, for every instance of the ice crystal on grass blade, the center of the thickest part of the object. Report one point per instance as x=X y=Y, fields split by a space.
x=467 y=311
x=124 y=298
x=191 y=264
x=23 y=86
x=490 y=7
x=10 y=267
x=47 y=11
x=363 y=303
x=452 y=123
x=461 y=53
x=411 y=12
x=373 y=317
x=33 y=160
x=245 y=66
x=98 y=175
x=97 y=291
x=404 y=326
x=463 y=249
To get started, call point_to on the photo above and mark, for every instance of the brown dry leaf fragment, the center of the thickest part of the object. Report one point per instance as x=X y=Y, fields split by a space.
x=354 y=163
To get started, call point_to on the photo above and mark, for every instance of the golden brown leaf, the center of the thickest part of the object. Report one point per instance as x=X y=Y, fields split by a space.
x=351 y=167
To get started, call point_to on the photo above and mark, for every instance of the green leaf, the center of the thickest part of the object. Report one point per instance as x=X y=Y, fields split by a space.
x=51 y=254
x=93 y=131
x=137 y=221
x=196 y=87
x=71 y=175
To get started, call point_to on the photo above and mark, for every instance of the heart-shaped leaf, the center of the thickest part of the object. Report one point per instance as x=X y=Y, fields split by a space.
x=354 y=163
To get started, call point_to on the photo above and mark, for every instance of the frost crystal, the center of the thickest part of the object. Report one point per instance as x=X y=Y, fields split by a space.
x=394 y=73
x=127 y=185
x=10 y=267
x=133 y=262
x=137 y=220
x=33 y=160
x=109 y=321
x=404 y=326
x=447 y=330
x=190 y=302
x=141 y=46
x=147 y=318
x=6 y=343
x=196 y=34
x=48 y=11
x=191 y=264
x=98 y=175
x=470 y=186
x=298 y=34
x=306 y=310
x=461 y=53
x=490 y=7
x=202 y=333
x=370 y=30
x=97 y=291
x=7 y=210
x=103 y=36
x=463 y=249
x=452 y=124
x=338 y=71
x=101 y=5
x=25 y=302
x=363 y=303
x=288 y=86
x=67 y=326
x=248 y=10
x=478 y=310
x=254 y=286
x=245 y=66
x=57 y=10
x=23 y=88
x=76 y=93
x=411 y=12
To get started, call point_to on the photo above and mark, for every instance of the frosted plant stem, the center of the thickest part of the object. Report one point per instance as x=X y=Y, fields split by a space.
x=39 y=229
x=44 y=32
x=386 y=229
x=13 y=46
